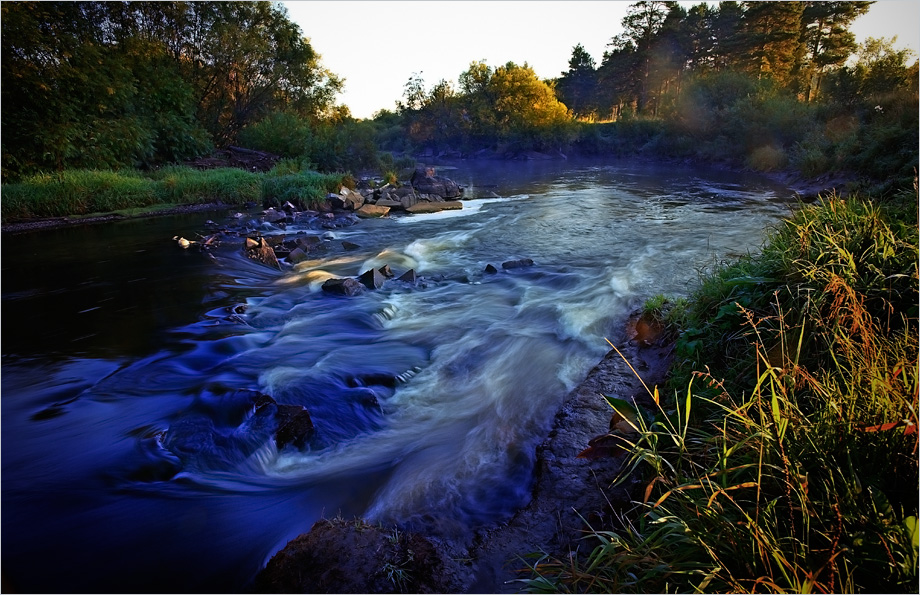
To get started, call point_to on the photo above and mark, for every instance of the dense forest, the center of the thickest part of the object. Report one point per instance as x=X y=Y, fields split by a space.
x=766 y=85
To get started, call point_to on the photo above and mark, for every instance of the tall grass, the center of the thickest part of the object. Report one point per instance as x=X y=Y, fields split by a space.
x=83 y=192
x=788 y=464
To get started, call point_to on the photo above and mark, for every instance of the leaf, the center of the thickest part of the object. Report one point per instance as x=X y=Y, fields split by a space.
x=913 y=529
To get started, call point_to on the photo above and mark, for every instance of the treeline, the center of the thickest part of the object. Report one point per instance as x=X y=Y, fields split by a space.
x=767 y=85
x=124 y=84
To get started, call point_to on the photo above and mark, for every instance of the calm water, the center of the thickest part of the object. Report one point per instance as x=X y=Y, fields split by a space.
x=428 y=401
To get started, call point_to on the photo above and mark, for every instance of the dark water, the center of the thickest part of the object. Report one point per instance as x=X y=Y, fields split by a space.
x=428 y=401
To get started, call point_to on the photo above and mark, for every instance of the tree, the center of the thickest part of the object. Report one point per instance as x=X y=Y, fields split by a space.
x=577 y=86
x=641 y=25
x=772 y=31
x=108 y=84
x=826 y=40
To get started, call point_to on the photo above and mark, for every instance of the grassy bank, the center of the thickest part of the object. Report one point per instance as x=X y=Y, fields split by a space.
x=783 y=455
x=83 y=192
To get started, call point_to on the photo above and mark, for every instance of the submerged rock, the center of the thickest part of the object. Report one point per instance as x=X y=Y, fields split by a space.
x=349 y=287
x=517 y=264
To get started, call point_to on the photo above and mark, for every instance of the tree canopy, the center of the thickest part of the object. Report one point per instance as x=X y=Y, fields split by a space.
x=109 y=84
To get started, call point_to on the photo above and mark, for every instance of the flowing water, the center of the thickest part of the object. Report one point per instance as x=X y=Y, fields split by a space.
x=428 y=400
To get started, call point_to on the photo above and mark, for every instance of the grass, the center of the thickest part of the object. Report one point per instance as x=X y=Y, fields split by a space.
x=84 y=192
x=786 y=460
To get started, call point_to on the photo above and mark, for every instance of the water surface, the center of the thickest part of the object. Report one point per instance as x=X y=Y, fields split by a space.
x=428 y=400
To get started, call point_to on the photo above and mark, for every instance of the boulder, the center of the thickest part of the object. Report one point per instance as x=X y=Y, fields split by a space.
x=259 y=250
x=296 y=255
x=424 y=181
x=408 y=277
x=372 y=279
x=347 y=287
x=491 y=269
x=353 y=200
x=335 y=201
x=272 y=216
x=295 y=426
x=308 y=243
x=386 y=271
x=372 y=211
x=517 y=264
x=350 y=245
x=354 y=556
x=391 y=204
x=435 y=207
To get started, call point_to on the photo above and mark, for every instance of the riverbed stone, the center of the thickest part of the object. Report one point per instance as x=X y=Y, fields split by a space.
x=425 y=182
x=434 y=207
x=259 y=250
x=295 y=426
x=348 y=286
x=372 y=279
x=408 y=277
x=517 y=264
x=372 y=211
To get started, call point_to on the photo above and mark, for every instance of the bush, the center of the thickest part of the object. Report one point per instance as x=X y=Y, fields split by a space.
x=280 y=133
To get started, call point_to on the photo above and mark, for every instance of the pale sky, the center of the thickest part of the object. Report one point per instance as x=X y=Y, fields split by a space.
x=376 y=45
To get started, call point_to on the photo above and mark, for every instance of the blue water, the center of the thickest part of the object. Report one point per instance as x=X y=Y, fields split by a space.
x=131 y=457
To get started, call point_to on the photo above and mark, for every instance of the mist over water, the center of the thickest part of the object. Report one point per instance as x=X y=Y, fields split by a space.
x=428 y=400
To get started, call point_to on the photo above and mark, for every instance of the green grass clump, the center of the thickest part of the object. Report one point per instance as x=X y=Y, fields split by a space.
x=787 y=459
x=304 y=189
x=76 y=192
x=185 y=185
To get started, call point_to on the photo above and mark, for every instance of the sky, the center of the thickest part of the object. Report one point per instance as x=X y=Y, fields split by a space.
x=376 y=45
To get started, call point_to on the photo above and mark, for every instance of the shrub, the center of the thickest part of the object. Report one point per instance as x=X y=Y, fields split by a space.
x=280 y=133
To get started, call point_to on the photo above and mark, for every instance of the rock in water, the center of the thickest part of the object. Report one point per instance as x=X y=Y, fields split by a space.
x=372 y=211
x=434 y=207
x=347 y=287
x=517 y=264
x=425 y=182
x=259 y=250
x=372 y=279
x=294 y=426
x=408 y=277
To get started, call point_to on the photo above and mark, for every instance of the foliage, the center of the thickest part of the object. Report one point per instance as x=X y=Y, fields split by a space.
x=94 y=85
x=304 y=189
x=281 y=133
x=790 y=463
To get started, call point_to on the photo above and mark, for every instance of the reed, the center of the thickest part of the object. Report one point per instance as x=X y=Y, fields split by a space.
x=790 y=464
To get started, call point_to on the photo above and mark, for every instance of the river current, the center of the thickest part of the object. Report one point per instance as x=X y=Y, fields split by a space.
x=428 y=401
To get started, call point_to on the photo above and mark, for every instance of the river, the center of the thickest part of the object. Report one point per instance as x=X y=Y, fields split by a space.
x=428 y=401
